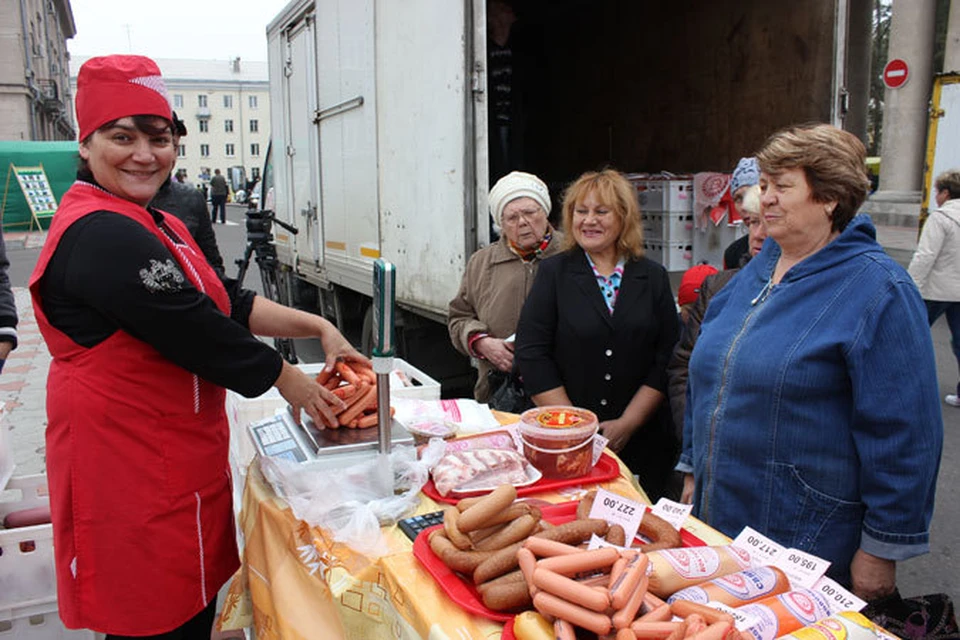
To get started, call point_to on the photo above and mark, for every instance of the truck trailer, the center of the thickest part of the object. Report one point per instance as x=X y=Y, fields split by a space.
x=381 y=143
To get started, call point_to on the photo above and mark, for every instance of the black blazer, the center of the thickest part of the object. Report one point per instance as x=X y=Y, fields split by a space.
x=567 y=337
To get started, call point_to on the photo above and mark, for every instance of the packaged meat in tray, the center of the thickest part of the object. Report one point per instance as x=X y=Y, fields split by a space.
x=475 y=470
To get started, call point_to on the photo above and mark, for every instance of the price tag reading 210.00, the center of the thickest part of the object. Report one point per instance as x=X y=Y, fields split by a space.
x=618 y=510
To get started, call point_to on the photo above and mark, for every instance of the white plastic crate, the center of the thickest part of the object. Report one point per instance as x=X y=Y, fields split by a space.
x=710 y=243
x=6 y=451
x=27 y=573
x=673 y=256
x=668 y=227
x=665 y=194
x=38 y=622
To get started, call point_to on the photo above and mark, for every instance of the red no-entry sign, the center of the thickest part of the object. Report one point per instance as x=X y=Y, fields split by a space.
x=895 y=73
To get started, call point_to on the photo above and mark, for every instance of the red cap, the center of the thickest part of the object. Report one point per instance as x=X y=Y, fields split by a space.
x=691 y=281
x=114 y=87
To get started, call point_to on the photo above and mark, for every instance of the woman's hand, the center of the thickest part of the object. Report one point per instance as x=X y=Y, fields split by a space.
x=303 y=393
x=498 y=352
x=686 y=496
x=872 y=577
x=618 y=432
x=336 y=347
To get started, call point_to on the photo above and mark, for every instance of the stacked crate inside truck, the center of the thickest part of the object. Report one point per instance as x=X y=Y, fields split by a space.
x=666 y=208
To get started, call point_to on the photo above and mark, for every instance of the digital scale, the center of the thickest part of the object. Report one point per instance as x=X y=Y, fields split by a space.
x=280 y=436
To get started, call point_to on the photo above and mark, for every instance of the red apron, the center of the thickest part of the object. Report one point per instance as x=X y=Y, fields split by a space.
x=137 y=450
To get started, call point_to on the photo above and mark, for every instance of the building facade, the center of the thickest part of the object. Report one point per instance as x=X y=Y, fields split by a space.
x=34 y=72
x=225 y=105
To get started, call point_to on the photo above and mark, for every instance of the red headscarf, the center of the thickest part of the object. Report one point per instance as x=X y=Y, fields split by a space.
x=118 y=86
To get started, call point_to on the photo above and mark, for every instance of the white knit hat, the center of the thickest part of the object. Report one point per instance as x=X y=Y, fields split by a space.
x=517 y=184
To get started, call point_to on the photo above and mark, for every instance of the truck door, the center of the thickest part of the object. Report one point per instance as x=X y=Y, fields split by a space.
x=426 y=140
x=943 y=152
x=302 y=159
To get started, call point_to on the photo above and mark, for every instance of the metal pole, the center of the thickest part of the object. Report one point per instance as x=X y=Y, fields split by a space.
x=382 y=367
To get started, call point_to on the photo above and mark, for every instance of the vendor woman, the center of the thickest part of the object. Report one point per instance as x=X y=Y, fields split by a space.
x=145 y=339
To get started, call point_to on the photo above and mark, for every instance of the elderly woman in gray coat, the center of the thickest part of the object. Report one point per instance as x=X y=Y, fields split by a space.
x=498 y=277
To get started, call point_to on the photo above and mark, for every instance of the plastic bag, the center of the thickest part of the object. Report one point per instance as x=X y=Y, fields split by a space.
x=353 y=502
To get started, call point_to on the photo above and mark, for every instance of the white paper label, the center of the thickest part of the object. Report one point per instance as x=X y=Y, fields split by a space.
x=596 y=542
x=839 y=598
x=742 y=620
x=673 y=512
x=618 y=510
x=802 y=568
x=762 y=549
x=599 y=444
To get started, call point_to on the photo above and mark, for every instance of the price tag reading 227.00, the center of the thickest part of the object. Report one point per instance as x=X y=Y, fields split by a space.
x=618 y=510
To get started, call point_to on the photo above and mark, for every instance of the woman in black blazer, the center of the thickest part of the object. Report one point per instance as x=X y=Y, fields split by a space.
x=599 y=325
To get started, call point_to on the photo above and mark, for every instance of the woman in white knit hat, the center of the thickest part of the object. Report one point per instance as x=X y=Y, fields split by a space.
x=498 y=277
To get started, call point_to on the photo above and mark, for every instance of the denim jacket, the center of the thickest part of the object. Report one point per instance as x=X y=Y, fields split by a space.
x=813 y=412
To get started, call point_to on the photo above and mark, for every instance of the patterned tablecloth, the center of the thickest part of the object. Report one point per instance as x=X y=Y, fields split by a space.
x=296 y=582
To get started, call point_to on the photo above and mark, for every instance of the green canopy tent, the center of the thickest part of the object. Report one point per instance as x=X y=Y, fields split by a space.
x=59 y=161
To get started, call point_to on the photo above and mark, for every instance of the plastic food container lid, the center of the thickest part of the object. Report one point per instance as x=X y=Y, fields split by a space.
x=558 y=423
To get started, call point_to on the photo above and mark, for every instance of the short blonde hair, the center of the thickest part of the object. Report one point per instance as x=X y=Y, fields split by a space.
x=614 y=190
x=950 y=181
x=751 y=200
x=833 y=160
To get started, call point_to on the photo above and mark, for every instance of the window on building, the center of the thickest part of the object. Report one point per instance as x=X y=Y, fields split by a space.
x=202 y=100
x=204 y=126
x=228 y=126
x=254 y=126
x=252 y=101
x=255 y=149
x=255 y=173
x=228 y=102
x=182 y=151
x=204 y=151
x=178 y=101
x=228 y=149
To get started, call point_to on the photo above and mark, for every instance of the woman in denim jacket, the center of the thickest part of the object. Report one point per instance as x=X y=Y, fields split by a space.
x=812 y=412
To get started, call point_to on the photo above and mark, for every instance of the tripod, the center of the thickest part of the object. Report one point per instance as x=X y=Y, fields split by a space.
x=275 y=278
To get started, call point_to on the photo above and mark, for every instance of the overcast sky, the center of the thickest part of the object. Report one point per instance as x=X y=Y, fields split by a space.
x=200 y=29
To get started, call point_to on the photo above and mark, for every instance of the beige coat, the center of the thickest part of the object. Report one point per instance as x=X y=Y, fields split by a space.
x=936 y=264
x=491 y=295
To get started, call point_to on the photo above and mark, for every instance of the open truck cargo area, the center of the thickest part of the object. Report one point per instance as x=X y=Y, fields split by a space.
x=382 y=138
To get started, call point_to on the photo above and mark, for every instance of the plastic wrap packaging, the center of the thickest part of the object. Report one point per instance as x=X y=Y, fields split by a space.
x=353 y=502
x=846 y=625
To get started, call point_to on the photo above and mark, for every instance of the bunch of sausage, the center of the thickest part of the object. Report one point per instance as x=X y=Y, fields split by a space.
x=355 y=384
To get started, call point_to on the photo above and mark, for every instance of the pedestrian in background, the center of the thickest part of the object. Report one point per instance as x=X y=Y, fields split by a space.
x=218 y=197
x=935 y=266
x=145 y=340
x=8 y=308
x=745 y=175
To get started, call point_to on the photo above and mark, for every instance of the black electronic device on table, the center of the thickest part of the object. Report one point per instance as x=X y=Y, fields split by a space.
x=414 y=525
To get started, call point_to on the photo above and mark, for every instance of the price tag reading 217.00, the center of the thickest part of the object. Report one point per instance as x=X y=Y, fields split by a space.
x=618 y=510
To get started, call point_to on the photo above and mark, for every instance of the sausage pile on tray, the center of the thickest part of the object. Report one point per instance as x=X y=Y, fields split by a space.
x=519 y=561
x=356 y=385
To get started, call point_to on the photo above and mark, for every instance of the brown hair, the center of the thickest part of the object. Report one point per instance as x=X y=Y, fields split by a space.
x=950 y=181
x=615 y=191
x=833 y=160
x=144 y=124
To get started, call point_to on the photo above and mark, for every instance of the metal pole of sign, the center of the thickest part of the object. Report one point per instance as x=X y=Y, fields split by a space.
x=384 y=297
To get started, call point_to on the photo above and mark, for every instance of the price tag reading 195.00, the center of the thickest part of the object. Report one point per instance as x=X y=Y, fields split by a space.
x=839 y=598
x=802 y=568
x=618 y=510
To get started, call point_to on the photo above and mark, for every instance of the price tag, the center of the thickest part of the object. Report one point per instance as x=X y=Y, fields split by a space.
x=839 y=598
x=599 y=444
x=596 y=542
x=741 y=619
x=618 y=510
x=802 y=568
x=762 y=549
x=673 y=512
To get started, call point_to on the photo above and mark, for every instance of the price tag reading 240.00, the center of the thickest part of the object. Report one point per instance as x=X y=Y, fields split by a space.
x=618 y=510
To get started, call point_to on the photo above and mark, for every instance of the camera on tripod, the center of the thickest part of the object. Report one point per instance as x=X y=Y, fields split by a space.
x=259 y=225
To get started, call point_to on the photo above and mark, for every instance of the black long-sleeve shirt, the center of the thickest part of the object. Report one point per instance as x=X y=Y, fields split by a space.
x=188 y=204
x=99 y=280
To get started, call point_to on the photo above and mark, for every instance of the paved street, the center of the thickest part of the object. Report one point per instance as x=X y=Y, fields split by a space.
x=22 y=387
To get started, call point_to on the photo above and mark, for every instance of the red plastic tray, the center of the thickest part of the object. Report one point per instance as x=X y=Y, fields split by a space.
x=462 y=591
x=605 y=469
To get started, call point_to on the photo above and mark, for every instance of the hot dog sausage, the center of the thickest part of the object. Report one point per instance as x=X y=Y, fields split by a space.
x=580 y=562
x=571 y=590
x=548 y=604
